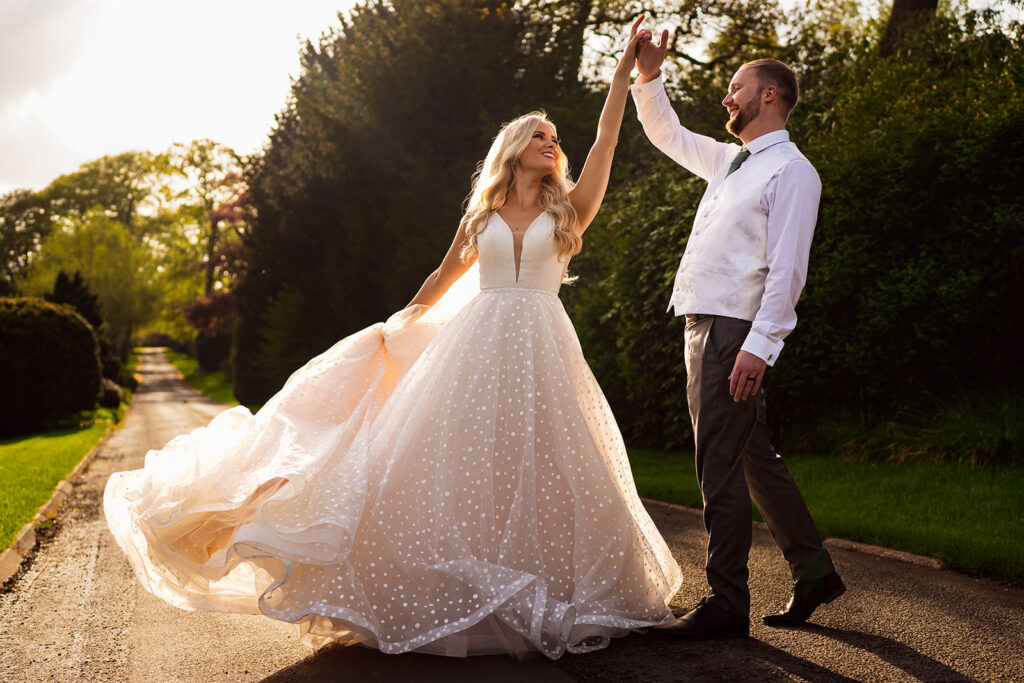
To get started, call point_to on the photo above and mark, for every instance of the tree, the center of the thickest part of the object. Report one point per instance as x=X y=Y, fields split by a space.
x=359 y=191
x=117 y=185
x=113 y=264
x=214 y=193
x=904 y=16
x=912 y=265
x=75 y=292
x=24 y=224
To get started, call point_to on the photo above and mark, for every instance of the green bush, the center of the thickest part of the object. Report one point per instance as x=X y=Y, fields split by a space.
x=919 y=252
x=917 y=258
x=213 y=351
x=626 y=271
x=49 y=362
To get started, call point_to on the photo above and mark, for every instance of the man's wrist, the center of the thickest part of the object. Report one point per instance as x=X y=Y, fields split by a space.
x=761 y=346
x=644 y=78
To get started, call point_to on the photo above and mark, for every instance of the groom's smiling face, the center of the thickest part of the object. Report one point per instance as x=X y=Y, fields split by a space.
x=743 y=101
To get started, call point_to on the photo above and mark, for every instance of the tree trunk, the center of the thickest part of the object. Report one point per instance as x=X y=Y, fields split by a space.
x=905 y=14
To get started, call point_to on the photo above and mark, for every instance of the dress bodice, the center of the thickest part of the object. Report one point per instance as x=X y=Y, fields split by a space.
x=539 y=264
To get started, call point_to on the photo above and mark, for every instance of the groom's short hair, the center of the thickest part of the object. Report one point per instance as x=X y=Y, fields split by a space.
x=774 y=72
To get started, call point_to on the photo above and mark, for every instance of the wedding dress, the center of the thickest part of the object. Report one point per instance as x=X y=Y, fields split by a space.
x=452 y=483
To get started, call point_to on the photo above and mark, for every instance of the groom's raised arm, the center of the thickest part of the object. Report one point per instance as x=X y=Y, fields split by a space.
x=697 y=153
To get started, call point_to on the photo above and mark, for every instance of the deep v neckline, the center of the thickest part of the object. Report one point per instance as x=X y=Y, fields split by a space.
x=517 y=254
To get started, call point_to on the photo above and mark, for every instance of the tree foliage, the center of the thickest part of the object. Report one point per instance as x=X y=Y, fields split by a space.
x=919 y=250
x=172 y=219
x=913 y=264
x=117 y=185
x=212 y=194
x=24 y=224
x=111 y=261
x=359 y=191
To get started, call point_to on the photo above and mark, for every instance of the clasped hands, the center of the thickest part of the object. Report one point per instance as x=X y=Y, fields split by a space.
x=642 y=52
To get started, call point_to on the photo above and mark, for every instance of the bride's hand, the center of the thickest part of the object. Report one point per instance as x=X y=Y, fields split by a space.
x=628 y=59
x=409 y=313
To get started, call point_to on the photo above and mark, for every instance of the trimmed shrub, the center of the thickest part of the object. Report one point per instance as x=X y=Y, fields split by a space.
x=112 y=394
x=212 y=351
x=49 y=364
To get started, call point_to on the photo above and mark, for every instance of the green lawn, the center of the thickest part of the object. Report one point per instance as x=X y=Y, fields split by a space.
x=972 y=519
x=213 y=384
x=31 y=466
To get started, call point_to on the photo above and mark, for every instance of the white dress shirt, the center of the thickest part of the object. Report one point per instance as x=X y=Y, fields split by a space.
x=790 y=201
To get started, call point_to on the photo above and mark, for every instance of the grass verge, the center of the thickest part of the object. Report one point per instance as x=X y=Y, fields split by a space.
x=214 y=385
x=132 y=364
x=31 y=466
x=970 y=518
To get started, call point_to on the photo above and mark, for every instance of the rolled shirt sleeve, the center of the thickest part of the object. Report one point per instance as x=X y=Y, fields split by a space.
x=699 y=154
x=791 y=200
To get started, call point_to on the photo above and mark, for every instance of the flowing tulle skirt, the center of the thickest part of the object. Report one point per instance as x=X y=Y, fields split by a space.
x=455 y=489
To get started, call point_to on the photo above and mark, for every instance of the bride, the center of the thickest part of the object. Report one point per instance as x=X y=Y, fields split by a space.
x=451 y=481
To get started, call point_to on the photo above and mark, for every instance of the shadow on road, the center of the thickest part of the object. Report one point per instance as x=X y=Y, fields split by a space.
x=631 y=658
x=903 y=657
x=644 y=659
x=355 y=663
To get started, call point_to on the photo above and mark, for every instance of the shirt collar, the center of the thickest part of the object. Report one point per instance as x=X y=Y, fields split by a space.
x=765 y=141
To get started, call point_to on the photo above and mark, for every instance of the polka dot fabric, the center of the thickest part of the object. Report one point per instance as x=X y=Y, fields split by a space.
x=454 y=486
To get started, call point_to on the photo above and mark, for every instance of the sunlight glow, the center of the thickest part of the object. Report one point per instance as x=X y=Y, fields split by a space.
x=80 y=79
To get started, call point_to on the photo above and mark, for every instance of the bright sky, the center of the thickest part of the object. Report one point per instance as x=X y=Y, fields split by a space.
x=80 y=79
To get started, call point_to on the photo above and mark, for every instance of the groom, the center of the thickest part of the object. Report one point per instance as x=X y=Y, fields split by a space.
x=744 y=266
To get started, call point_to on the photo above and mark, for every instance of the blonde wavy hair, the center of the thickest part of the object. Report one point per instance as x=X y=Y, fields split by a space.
x=493 y=180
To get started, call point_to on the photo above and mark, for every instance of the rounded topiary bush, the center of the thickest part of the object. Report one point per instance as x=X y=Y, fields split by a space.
x=49 y=364
x=212 y=351
x=112 y=394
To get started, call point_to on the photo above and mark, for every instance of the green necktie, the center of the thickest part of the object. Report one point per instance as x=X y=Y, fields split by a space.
x=740 y=158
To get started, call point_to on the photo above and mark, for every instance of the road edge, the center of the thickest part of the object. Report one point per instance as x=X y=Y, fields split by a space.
x=15 y=554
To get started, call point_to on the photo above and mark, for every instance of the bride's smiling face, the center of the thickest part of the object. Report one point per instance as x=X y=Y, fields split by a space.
x=541 y=154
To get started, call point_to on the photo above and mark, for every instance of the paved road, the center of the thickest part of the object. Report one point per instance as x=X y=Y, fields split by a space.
x=77 y=613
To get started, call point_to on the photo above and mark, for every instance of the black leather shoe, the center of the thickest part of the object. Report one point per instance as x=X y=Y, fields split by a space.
x=807 y=596
x=707 y=621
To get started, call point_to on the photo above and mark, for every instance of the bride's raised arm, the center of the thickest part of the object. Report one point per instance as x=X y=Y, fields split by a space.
x=587 y=195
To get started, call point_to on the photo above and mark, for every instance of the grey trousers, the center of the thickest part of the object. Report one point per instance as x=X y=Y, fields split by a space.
x=736 y=461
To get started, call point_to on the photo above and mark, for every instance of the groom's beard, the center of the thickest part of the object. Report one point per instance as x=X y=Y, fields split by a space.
x=743 y=117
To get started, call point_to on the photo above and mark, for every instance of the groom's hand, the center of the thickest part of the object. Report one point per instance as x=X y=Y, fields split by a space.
x=745 y=378
x=649 y=56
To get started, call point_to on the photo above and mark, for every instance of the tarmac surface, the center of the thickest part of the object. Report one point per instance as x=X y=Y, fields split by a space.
x=76 y=613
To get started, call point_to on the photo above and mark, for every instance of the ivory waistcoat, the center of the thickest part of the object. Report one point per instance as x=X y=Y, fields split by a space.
x=724 y=266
